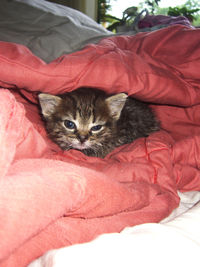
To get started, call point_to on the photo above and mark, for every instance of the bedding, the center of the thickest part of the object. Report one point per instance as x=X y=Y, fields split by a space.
x=48 y=30
x=176 y=243
x=49 y=198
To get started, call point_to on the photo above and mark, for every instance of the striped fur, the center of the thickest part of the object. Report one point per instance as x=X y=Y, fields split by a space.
x=90 y=121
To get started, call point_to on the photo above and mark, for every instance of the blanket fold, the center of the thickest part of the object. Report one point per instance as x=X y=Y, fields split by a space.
x=50 y=198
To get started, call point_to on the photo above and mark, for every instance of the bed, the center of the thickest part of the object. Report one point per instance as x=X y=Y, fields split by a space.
x=64 y=208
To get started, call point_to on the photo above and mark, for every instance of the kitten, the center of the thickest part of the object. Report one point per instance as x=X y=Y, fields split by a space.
x=88 y=120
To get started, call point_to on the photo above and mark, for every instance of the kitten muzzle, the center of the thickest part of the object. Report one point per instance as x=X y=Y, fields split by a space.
x=81 y=146
x=81 y=142
x=82 y=138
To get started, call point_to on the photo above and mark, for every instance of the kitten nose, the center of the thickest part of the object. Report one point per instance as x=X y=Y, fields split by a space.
x=82 y=138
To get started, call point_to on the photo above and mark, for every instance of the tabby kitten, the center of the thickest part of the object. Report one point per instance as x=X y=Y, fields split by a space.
x=88 y=120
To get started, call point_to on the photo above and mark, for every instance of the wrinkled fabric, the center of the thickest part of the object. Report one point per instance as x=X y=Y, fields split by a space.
x=117 y=249
x=50 y=198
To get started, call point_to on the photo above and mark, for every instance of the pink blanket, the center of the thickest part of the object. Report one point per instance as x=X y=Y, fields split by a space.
x=50 y=198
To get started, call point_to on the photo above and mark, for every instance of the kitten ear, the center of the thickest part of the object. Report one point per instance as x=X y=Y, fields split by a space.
x=48 y=103
x=115 y=104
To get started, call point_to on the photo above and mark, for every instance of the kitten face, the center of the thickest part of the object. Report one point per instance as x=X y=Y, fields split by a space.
x=84 y=119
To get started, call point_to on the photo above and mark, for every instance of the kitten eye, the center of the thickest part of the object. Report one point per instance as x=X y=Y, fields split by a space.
x=96 y=128
x=69 y=124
